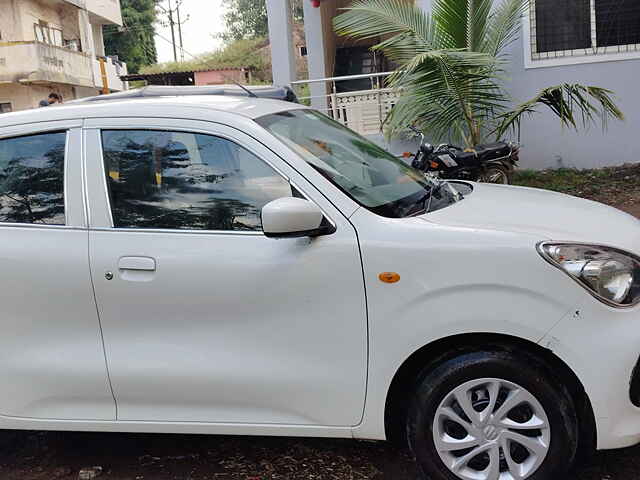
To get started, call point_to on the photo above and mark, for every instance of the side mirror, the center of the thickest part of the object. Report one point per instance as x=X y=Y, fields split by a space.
x=291 y=217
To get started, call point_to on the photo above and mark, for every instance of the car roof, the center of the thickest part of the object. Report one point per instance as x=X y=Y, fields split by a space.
x=163 y=106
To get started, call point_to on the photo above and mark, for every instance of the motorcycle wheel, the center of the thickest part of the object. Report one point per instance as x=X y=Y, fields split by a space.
x=497 y=174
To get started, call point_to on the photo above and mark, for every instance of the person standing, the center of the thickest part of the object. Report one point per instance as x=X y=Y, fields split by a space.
x=54 y=98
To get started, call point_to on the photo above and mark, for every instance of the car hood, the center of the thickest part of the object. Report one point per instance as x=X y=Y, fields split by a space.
x=547 y=215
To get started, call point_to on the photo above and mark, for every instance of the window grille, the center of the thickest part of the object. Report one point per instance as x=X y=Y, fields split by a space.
x=570 y=28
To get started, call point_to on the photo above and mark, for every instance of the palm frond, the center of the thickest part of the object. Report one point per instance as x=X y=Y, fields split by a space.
x=503 y=26
x=440 y=88
x=575 y=105
x=444 y=89
x=461 y=23
x=450 y=64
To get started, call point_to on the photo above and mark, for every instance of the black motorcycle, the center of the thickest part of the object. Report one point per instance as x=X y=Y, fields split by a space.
x=490 y=163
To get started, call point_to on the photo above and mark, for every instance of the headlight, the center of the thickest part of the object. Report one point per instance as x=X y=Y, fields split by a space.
x=611 y=275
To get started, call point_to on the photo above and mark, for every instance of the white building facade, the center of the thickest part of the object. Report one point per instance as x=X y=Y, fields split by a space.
x=55 y=46
x=592 y=42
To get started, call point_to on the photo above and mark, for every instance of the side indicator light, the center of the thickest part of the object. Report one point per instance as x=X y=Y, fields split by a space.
x=389 y=277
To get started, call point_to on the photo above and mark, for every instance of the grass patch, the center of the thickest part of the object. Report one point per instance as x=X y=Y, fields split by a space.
x=617 y=186
x=563 y=180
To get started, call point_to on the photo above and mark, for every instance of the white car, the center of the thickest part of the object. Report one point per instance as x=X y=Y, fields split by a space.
x=233 y=265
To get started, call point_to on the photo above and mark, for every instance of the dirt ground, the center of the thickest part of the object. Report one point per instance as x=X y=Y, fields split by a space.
x=61 y=456
x=616 y=186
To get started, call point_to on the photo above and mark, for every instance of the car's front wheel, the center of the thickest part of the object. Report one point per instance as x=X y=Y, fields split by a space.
x=492 y=415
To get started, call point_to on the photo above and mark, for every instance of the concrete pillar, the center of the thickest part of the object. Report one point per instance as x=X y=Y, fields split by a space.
x=283 y=58
x=88 y=42
x=86 y=32
x=316 y=53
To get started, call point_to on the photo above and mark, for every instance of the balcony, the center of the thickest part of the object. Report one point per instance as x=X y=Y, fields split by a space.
x=40 y=63
x=112 y=70
x=101 y=11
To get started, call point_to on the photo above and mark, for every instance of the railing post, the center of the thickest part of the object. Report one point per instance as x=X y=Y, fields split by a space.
x=334 y=101
x=380 y=120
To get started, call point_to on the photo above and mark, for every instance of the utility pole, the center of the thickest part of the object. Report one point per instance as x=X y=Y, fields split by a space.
x=173 y=34
x=170 y=12
x=180 y=30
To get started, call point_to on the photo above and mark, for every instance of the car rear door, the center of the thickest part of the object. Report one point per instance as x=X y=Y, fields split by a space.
x=52 y=363
x=204 y=318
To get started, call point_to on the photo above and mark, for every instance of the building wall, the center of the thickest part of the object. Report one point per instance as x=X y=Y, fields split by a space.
x=219 y=77
x=69 y=19
x=33 y=11
x=10 y=25
x=36 y=69
x=107 y=10
x=545 y=143
x=19 y=16
x=98 y=39
x=330 y=10
x=24 y=97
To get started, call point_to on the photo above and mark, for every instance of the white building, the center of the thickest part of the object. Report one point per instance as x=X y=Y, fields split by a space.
x=55 y=46
x=593 y=42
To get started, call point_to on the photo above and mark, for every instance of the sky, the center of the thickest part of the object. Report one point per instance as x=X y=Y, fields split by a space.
x=205 y=20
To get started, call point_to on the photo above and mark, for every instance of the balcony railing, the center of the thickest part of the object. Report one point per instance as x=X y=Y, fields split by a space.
x=364 y=111
x=40 y=63
x=54 y=36
x=35 y=62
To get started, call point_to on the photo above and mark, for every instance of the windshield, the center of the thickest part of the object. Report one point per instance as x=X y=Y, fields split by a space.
x=367 y=173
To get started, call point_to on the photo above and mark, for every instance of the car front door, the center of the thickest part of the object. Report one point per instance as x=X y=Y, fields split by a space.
x=52 y=363
x=204 y=318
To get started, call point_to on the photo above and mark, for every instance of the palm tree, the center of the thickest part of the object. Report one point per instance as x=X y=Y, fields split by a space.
x=451 y=69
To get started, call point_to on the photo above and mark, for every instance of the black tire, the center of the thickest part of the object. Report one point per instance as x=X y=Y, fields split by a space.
x=498 y=174
x=436 y=382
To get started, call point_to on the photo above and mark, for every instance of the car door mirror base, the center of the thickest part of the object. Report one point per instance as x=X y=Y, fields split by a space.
x=327 y=229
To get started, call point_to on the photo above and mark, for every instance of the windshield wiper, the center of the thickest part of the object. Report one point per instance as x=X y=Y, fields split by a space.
x=422 y=203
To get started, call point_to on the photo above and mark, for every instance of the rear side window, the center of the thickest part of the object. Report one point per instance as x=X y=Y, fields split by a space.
x=181 y=180
x=32 y=179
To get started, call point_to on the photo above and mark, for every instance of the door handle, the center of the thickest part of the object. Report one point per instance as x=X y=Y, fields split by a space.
x=144 y=264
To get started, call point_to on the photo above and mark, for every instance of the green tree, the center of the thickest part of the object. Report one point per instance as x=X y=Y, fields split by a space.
x=134 y=43
x=248 y=18
x=451 y=69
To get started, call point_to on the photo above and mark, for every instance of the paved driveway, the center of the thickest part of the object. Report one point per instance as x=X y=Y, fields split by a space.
x=46 y=456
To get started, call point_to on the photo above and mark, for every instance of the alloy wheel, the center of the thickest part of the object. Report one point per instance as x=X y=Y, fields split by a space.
x=491 y=429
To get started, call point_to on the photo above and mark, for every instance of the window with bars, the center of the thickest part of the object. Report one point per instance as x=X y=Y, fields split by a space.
x=567 y=28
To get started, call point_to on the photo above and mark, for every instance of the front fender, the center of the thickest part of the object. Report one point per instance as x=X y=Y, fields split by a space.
x=453 y=281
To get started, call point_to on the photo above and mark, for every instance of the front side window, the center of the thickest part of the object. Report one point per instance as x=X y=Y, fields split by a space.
x=365 y=172
x=32 y=179
x=573 y=28
x=179 y=180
